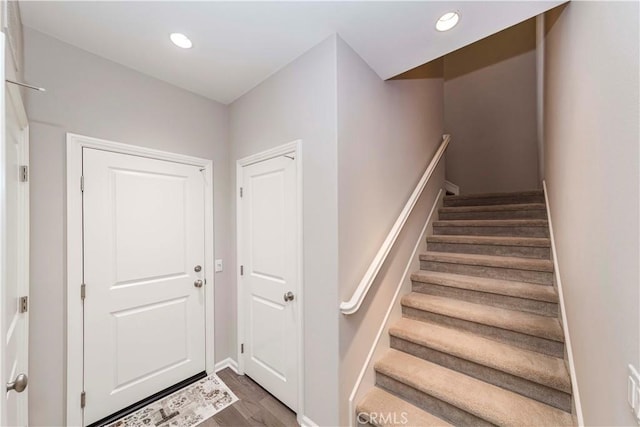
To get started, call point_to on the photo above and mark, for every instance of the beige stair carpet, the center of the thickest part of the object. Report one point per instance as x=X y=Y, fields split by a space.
x=480 y=342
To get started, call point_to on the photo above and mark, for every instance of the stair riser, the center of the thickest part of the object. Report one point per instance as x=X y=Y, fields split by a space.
x=528 y=342
x=507 y=231
x=529 y=276
x=520 y=214
x=496 y=200
x=525 y=387
x=536 y=252
x=431 y=404
x=495 y=300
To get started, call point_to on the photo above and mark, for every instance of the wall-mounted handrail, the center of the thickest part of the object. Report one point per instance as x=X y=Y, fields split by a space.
x=354 y=303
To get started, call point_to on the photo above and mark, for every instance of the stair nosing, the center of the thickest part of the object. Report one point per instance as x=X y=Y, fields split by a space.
x=466 y=393
x=496 y=261
x=494 y=208
x=526 y=222
x=479 y=314
x=532 y=242
x=543 y=293
x=395 y=401
x=418 y=337
x=526 y=193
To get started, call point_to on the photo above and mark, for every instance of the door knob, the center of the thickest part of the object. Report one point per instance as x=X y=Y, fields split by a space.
x=288 y=296
x=197 y=268
x=19 y=384
x=197 y=283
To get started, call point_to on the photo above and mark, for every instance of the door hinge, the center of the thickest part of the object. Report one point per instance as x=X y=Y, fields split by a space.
x=24 y=304
x=83 y=399
x=82 y=184
x=83 y=291
x=241 y=348
x=242 y=270
x=241 y=191
x=24 y=173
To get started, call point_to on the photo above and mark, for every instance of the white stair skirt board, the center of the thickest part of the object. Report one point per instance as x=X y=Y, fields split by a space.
x=450 y=187
x=187 y=407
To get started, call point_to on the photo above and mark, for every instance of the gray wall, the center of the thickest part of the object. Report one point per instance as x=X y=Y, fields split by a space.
x=490 y=112
x=387 y=135
x=92 y=96
x=591 y=121
x=299 y=102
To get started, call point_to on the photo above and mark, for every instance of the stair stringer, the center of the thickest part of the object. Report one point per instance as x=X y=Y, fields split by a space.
x=382 y=343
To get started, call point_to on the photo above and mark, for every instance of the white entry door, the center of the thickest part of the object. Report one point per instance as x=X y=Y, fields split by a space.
x=268 y=254
x=144 y=307
x=15 y=260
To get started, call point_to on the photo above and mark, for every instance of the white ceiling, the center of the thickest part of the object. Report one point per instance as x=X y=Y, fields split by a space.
x=239 y=44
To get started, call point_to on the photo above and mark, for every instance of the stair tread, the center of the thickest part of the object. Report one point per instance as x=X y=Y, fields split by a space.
x=518 y=321
x=378 y=401
x=536 y=367
x=494 y=286
x=517 y=263
x=491 y=240
x=491 y=208
x=491 y=223
x=491 y=403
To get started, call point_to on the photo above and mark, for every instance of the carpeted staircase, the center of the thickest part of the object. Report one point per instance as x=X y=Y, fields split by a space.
x=480 y=342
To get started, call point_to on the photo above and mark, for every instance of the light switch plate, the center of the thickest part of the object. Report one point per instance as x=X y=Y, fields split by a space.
x=218 y=265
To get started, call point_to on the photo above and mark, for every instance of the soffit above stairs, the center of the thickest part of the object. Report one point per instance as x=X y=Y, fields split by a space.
x=239 y=44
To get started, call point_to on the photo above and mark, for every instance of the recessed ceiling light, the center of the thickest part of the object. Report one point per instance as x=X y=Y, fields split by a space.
x=447 y=21
x=181 y=40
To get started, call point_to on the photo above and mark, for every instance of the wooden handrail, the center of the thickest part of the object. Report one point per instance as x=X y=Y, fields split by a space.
x=358 y=297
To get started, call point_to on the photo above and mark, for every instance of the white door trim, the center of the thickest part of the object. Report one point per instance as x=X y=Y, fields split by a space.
x=11 y=94
x=294 y=147
x=75 y=145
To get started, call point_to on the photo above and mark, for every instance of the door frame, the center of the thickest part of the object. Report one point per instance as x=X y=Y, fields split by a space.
x=294 y=147
x=10 y=93
x=75 y=331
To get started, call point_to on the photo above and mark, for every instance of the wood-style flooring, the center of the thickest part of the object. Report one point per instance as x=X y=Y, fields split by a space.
x=256 y=407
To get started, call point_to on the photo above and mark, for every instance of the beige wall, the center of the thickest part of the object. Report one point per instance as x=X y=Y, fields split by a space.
x=591 y=120
x=387 y=135
x=299 y=102
x=490 y=112
x=92 y=96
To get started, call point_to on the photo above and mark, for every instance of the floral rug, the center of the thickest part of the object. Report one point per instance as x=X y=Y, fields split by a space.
x=185 y=408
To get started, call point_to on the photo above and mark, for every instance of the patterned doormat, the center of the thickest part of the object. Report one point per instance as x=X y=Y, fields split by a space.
x=185 y=408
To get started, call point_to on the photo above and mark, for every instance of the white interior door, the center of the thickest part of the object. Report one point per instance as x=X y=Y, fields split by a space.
x=15 y=259
x=144 y=248
x=268 y=241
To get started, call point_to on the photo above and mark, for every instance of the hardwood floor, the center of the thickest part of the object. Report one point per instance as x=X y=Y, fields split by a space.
x=256 y=407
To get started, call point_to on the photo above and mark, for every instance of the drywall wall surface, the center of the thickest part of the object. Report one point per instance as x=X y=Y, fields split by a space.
x=592 y=174
x=299 y=102
x=92 y=96
x=388 y=133
x=490 y=112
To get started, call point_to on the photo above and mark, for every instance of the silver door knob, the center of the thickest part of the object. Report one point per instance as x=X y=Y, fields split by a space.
x=288 y=296
x=197 y=283
x=197 y=268
x=19 y=384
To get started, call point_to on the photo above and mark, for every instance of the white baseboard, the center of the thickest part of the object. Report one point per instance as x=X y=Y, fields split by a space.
x=227 y=363
x=451 y=188
x=565 y=327
x=405 y=276
x=305 y=421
